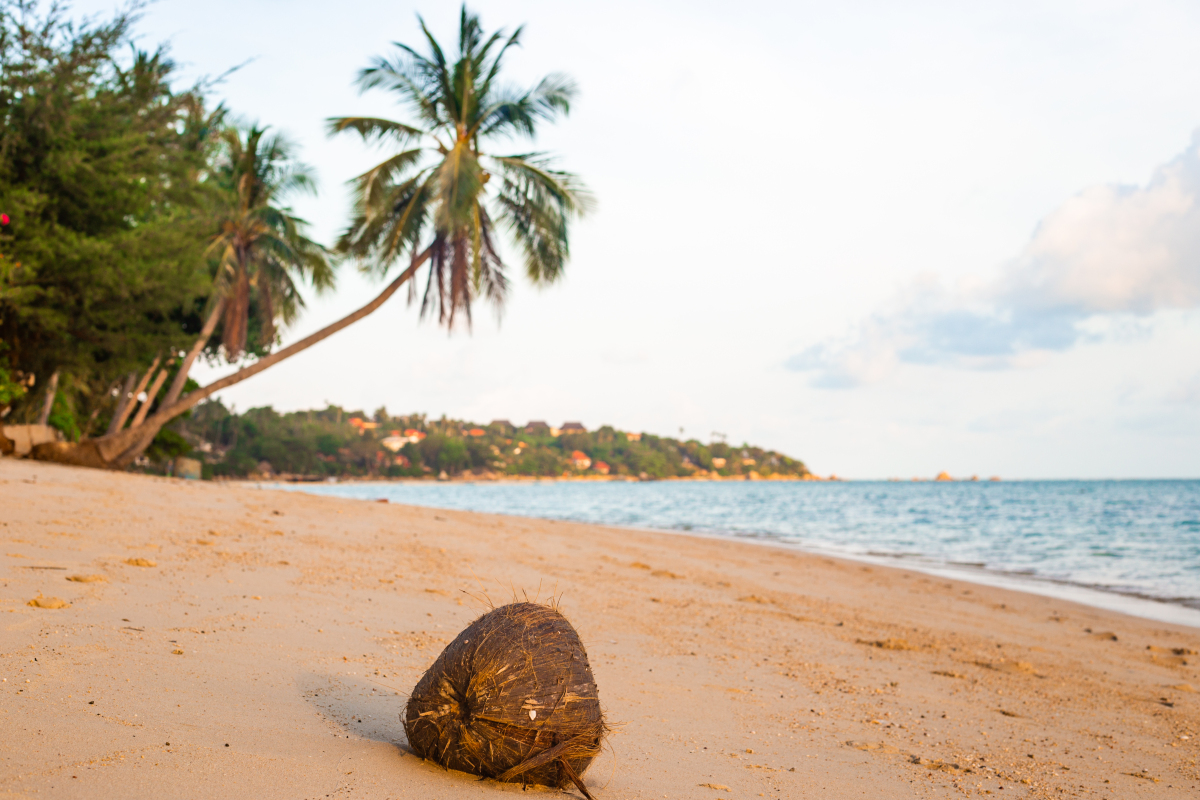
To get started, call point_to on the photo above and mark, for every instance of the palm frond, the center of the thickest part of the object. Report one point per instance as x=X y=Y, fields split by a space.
x=538 y=203
x=374 y=129
x=436 y=186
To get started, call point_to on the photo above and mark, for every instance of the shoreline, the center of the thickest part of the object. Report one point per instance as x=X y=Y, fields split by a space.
x=1124 y=602
x=227 y=642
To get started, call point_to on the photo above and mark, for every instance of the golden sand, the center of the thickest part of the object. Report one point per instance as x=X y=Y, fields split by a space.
x=269 y=651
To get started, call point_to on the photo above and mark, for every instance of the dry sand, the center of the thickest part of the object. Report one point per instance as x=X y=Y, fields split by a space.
x=267 y=651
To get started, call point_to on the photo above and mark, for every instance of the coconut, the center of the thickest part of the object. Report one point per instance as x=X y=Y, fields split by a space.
x=512 y=698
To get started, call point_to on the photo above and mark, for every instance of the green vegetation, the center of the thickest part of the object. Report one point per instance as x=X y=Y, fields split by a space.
x=311 y=445
x=101 y=264
x=143 y=230
x=435 y=186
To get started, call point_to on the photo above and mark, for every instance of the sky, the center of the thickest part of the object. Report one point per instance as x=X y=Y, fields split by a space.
x=887 y=239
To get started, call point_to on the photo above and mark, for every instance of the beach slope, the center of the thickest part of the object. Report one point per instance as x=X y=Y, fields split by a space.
x=170 y=639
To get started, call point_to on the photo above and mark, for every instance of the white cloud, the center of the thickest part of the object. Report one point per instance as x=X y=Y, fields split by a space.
x=1109 y=251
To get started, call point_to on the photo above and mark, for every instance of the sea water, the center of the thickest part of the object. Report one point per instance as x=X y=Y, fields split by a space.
x=1128 y=545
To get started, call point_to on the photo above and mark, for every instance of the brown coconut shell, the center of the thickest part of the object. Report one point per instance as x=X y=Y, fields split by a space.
x=512 y=698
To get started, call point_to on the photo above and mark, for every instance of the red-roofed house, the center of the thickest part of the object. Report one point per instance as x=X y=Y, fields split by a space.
x=580 y=460
x=601 y=467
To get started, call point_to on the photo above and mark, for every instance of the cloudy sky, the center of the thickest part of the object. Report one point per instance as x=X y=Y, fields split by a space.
x=889 y=239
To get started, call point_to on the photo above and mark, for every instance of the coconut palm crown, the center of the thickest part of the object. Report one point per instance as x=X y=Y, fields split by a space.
x=259 y=244
x=439 y=198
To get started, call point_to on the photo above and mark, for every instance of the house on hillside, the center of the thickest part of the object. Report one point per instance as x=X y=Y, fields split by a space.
x=580 y=460
x=363 y=425
x=602 y=467
x=572 y=427
x=395 y=442
x=633 y=437
x=537 y=427
x=477 y=432
x=504 y=425
x=718 y=463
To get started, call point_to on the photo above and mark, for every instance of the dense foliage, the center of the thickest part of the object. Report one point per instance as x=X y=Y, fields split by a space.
x=333 y=442
x=101 y=160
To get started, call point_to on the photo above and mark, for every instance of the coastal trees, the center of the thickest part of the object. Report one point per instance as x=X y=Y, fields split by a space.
x=432 y=203
x=258 y=250
x=333 y=442
x=431 y=199
x=260 y=246
x=101 y=260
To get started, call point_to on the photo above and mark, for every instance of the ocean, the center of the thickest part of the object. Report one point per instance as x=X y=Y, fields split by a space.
x=1126 y=545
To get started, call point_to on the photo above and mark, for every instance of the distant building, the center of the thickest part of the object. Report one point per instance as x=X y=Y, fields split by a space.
x=573 y=427
x=537 y=426
x=414 y=435
x=401 y=461
x=580 y=460
x=395 y=443
x=601 y=467
x=502 y=424
x=718 y=463
x=633 y=437
x=477 y=432
x=748 y=461
x=363 y=425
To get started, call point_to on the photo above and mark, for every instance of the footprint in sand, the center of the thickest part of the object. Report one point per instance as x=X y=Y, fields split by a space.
x=48 y=602
x=1107 y=636
x=888 y=644
x=1011 y=667
x=1172 y=656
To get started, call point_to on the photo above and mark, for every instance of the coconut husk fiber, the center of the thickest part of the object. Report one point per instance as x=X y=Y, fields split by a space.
x=512 y=698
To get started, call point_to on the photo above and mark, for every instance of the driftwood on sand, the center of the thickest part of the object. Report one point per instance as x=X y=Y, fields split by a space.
x=512 y=698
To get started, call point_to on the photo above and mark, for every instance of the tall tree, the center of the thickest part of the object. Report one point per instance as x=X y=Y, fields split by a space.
x=259 y=247
x=433 y=203
x=435 y=199
x=102 y=261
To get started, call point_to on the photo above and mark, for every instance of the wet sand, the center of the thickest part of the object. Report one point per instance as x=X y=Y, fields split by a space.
x=267 y=651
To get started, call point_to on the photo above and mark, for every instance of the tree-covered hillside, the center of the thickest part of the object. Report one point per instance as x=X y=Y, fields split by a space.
x=335 y=442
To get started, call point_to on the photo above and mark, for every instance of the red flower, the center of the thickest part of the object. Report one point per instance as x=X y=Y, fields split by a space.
x=3 y=219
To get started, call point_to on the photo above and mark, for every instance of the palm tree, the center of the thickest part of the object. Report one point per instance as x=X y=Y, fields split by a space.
x=257 y=248
x=435 y=199
x=437 y=191
x=260 y=245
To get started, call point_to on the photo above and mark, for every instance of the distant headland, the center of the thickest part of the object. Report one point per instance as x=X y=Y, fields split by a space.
x=336 y=443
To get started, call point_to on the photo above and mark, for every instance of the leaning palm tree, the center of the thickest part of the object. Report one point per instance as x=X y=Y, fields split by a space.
x=434 y=201
x=259 y=244
x=259 y=247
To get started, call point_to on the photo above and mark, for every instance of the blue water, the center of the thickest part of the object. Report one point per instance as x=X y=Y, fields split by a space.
x=1122 y=538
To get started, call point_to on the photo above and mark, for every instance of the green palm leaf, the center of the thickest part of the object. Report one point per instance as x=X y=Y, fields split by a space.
x=260 y=248
x=436 y=196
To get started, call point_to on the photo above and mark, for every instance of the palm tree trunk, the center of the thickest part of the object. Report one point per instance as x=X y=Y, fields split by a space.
x=205 y=334
x=123 y=402
x=119 y=421
x=118 y=450
x=151 y=393
x=51 y=390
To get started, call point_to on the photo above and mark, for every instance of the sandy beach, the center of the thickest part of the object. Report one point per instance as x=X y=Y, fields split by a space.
x=228 y=642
